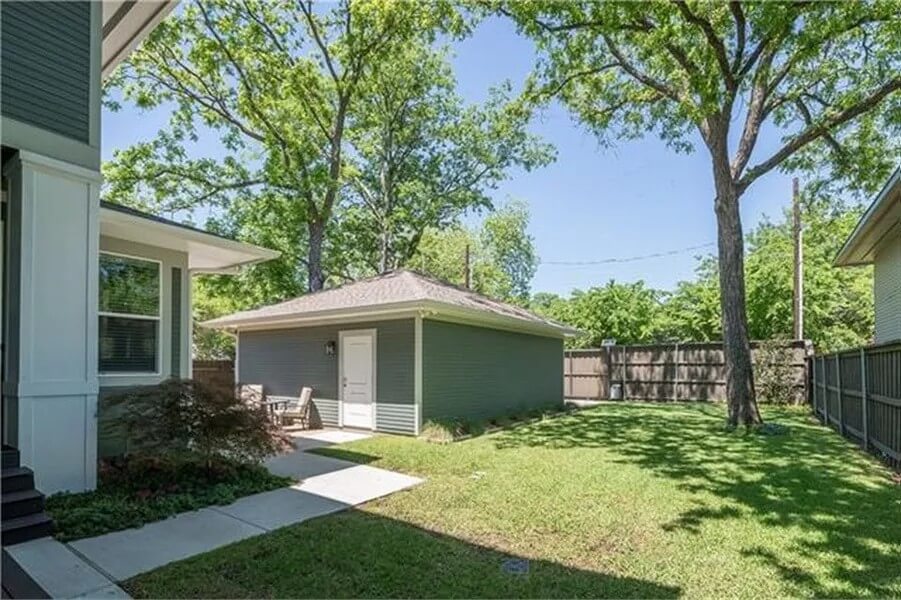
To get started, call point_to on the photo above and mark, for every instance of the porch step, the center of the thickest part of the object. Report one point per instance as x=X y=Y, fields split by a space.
x=15 y=479
x=21 y=503
x=29 y=527
x=10 y=457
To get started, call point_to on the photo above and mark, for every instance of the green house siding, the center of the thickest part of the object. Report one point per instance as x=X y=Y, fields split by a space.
x=476 y=373
x=285 y=360
x=46 y=59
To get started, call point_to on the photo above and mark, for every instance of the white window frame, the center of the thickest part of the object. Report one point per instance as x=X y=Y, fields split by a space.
x=158 y=318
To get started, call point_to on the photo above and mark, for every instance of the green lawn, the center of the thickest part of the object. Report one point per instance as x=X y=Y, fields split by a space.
x=624 y=500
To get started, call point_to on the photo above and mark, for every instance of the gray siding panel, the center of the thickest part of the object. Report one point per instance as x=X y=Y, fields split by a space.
x=285 y=360
x=327 y=410
x=396 y=418
x=46 y=60
x=475 y=373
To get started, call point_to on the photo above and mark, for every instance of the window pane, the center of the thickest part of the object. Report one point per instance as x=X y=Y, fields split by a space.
x=129 y=285
x=128 y=345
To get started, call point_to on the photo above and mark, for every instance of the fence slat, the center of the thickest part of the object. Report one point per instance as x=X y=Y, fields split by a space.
x=663 y=372
x=863 y=397
x=879 y=393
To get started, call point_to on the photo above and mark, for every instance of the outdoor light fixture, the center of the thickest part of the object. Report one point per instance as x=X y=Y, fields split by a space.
x=330 y=348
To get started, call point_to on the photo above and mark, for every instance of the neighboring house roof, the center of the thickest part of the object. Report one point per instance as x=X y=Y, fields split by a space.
x=393 y=292
x=125 y=24
x=882 y=220
x=207 y=252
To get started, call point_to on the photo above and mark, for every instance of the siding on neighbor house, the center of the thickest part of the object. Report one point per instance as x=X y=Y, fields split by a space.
x=46 y=58
x=887 y=291
x=476 y=373
x=285 y=360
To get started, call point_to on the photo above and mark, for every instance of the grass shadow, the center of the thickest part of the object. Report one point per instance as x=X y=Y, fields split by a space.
x=344 y=454
x=357 y=554
x=810 y=479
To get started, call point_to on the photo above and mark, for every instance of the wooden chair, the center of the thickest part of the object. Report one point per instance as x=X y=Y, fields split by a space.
x=298 y=412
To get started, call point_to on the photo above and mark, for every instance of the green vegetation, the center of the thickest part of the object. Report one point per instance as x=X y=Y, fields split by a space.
x=444 y=431
x=502 y=254
x=624 y=500
x=142 y=490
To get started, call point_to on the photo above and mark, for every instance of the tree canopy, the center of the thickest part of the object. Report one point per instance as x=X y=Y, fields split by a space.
x=344 y=116
x=824 y=76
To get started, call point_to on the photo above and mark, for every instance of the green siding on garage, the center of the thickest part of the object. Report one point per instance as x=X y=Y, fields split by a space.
x=476 y=373
x=46 y=59
x=285 y=360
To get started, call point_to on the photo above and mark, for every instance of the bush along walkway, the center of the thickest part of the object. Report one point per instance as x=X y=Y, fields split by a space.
x=327 y=485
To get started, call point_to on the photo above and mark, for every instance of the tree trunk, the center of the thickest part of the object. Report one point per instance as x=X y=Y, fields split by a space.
x=315 y=276
x=384 y=250
x=736 y=346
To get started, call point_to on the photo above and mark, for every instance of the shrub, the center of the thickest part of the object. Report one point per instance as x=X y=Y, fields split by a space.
x=444 y=431
x=774 y=373
x=181 y=415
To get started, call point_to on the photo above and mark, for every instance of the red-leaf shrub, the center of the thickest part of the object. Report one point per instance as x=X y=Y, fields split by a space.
x=183 y=415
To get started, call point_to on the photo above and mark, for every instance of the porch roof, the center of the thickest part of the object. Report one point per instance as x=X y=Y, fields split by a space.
x=125 y=24
x=207 y=252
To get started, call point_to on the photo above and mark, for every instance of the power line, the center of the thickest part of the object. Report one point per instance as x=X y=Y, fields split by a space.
x=628 y=259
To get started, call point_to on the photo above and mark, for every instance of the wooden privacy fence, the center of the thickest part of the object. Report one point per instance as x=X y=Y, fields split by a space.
x=663 y=372
x=215 y=372
x=859 y=392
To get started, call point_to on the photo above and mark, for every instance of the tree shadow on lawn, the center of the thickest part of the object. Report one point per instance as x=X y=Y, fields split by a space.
x=357 y=554
x=810 y=479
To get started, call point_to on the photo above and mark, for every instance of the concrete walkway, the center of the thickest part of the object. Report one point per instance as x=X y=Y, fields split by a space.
x=327 y=485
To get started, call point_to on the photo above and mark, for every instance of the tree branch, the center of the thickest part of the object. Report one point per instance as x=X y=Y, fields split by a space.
x=713 y=40
x=741 y=32
x=818 y=130
x=626 y=66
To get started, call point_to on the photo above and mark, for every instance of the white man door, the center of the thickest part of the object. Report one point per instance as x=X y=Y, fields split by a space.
x=357 y=378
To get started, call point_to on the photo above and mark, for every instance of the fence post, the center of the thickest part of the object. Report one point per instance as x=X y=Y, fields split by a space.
x=825 y=390
x=838 y=380
x=676 y=376
x=863 y=397
x=623 y=393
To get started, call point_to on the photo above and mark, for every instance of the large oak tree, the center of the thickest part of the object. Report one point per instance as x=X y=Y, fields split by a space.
x=822 y=76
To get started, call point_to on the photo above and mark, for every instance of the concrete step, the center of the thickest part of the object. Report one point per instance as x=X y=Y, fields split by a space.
x=15 y=479
x=10 y=457
x=21 y=503
x=29 y=527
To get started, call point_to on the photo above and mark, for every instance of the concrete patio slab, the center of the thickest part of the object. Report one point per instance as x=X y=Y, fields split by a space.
x=124 y=554
x=61 y=572
x=302 y=465
x=357 y=484
x=332 y=436
x=279 y=508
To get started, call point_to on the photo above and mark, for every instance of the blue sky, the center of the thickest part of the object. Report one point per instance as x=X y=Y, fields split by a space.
x=593 y=203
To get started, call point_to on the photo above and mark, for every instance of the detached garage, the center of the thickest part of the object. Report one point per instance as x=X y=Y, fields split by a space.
x=397 y=350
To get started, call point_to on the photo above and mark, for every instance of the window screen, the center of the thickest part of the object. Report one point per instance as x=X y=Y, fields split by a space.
x=129 y=315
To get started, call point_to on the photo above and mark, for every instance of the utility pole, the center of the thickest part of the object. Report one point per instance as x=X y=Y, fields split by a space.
x=798 y=286
x=467 y=275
